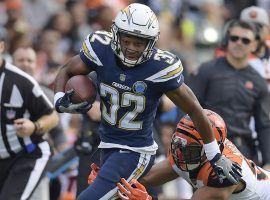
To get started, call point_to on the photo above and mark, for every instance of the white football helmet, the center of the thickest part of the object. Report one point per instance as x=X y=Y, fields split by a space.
x=137 y=20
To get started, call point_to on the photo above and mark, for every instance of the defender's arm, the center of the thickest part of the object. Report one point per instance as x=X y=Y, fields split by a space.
x=159 y=174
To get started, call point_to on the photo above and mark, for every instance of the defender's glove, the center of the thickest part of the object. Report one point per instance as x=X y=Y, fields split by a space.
x=92 y=176
x=64 y=104
x=225 y=168
x=138 y=192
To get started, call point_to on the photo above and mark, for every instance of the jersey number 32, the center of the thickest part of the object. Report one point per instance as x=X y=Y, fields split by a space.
x=127 y=121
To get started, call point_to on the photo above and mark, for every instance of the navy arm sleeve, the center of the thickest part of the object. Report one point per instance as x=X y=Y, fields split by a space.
x=38 y=103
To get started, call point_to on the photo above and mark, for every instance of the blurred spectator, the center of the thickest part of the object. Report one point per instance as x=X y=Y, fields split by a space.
x=172 y=7
x=104 y=18
x=233 y=89
x=261 y=62
x=4 y=35
x=49 y=55
x=234 y=7
x=264 y=4
x=16 y=25
x=93 y=7
x=117 y=5
x=260 y=18
x=62 y=23
x=93 y=4
x=38 y=12
x=81 y=27
x=25 y=59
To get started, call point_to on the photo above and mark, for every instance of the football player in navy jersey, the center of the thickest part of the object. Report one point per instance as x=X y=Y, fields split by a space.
x=131 y=76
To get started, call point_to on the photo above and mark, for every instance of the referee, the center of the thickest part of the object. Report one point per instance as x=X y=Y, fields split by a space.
x=26 y=114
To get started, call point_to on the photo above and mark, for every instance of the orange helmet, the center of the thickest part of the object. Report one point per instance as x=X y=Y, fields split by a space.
x=187 y=144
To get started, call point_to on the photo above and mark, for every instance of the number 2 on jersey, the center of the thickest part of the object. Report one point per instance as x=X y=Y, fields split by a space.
x=127 y=121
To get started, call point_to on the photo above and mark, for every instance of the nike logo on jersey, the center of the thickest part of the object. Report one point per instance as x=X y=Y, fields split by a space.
x=178 y=80
x=124 y=151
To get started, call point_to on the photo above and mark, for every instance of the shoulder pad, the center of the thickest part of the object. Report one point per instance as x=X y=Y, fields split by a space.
x=169 y=66
x=164 y=56
x=94 y=43
x=102 y=37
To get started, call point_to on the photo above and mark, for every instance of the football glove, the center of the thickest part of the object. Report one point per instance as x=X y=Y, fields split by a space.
x=64 y=104
x=133 y=191
x=225 y=168
x=92 y=176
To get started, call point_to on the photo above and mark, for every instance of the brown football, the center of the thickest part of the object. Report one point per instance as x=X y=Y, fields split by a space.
x=84 y=89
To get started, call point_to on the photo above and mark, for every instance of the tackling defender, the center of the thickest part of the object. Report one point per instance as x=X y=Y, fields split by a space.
x=132 y=75
x=187 y=159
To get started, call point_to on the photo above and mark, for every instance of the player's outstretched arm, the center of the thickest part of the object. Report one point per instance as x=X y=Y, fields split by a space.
x=187 y=101
x=75 y=66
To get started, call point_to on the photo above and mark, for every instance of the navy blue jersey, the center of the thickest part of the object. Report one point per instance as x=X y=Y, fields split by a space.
x=129 y=96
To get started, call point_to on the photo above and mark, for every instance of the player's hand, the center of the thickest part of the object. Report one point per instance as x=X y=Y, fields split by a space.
x=138 y=192
x=225 y=168
x=64 y=104
x=92 y=176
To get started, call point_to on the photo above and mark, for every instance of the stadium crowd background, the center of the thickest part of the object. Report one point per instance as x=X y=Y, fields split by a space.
x=55 y=29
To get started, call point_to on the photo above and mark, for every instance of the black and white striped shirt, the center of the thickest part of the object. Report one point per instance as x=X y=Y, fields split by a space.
x=20 y=97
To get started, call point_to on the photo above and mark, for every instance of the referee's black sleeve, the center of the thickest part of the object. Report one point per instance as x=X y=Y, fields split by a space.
x=38 y=103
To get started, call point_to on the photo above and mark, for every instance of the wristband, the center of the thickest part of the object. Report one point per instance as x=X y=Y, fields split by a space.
x=57 y=96
x=211 y=149
x=37 y=129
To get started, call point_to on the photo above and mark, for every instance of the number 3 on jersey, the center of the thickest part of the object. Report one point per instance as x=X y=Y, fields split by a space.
x=127 y=121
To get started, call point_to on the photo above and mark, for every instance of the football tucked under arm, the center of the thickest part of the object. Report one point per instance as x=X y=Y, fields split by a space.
x=83 y=88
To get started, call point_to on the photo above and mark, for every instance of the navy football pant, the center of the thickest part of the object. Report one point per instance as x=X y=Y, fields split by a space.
x=116 y=164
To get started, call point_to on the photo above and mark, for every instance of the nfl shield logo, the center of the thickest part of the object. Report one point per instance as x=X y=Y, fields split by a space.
x=122 y=77
x=10 y=114
x=139 y=87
